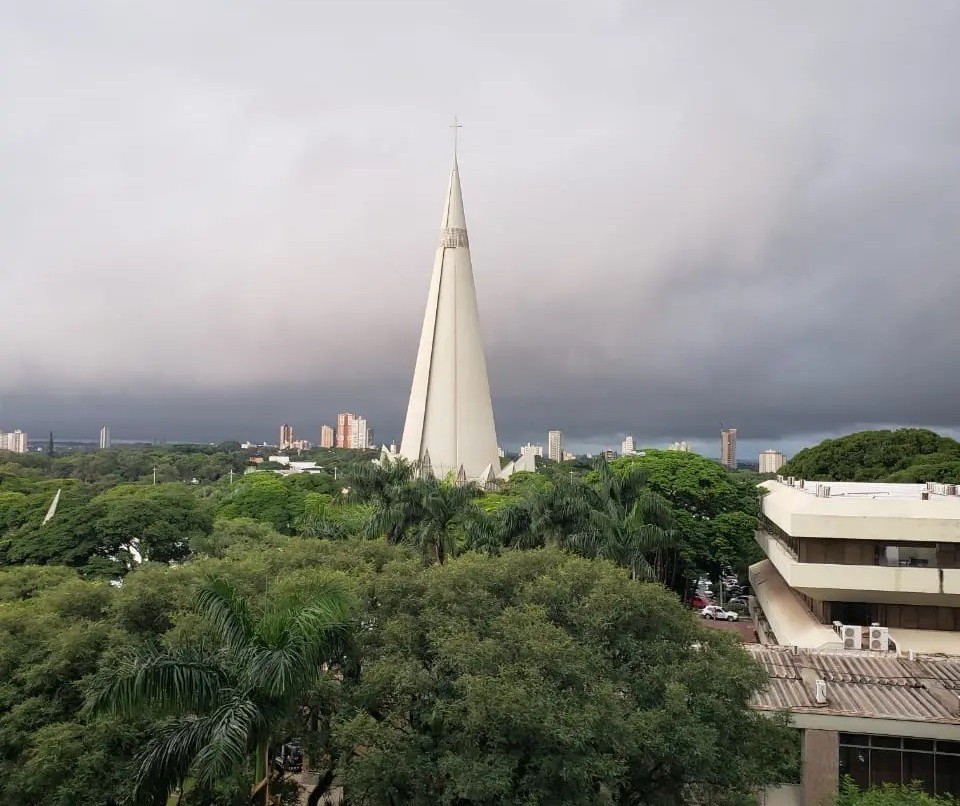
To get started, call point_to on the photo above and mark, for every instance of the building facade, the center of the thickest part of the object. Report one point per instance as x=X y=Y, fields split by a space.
x=104 y=438
x=684 y=447
x=531 y=450
x=555 y=445
x=359 y=433
x=728 y=448
x=770 y=461
x=326 y=436
x=286 y=436
x=628 y=446
x=877 y=718
x=859 y=566
x=14 y=441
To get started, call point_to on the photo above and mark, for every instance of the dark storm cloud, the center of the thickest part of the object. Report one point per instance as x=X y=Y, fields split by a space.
x=219 y=216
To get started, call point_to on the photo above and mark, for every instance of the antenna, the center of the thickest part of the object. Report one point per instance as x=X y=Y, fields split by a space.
x=456 y=126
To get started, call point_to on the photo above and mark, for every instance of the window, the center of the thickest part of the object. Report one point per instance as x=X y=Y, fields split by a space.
x=874 y=760
x=918 y=556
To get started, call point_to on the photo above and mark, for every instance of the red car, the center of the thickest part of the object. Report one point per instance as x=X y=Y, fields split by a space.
x=699 y=601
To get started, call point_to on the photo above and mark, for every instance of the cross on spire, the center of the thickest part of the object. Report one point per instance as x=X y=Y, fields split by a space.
x=456 y=126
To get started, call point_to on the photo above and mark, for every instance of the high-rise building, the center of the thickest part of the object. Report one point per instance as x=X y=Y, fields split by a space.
x=770 y=461
x=352 y=431
x=104 y=438
x=286 y=436
x=531 y=450
x=14 y=441
x=555 y=445
x=628 y=446
x=326 y=436
x=344 y=420
x=359 y=434
x=683 y=447
x=728 y=448
x=450 y=417
x=568 y=456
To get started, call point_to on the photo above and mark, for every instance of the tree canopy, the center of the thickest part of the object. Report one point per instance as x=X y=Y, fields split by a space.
x=905 y=455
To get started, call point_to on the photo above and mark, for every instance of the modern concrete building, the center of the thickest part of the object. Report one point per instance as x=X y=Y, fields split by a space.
x=770 y=461
x=326 y=436
x=877 y=718
x=555 y=445
x=628 y=446
x=14 y=441
x=286 y=436
x=531 y=450
x=449 y=424
x=728 y=448
x=684 y=447
x=359 y=433
x=859 y=565
x=104 y=438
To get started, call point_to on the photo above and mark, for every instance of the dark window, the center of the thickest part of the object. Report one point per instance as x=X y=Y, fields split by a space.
x=948 y=776
x=885 y=767
x=919 y=767
x=918 y=744
x=854 y=761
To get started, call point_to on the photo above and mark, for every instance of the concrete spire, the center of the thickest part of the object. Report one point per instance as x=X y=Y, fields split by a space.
x=450 y=416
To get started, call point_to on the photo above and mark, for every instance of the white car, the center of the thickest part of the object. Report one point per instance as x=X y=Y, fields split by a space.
x=718 y=613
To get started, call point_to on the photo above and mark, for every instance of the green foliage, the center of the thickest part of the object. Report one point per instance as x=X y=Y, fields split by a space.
x=536 y=677
x=906 y=455
x=888 y=795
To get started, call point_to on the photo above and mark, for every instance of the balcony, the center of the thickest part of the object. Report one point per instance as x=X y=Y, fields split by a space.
x=893 y=584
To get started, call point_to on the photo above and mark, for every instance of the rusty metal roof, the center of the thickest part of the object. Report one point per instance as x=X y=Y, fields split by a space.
x=860 y=684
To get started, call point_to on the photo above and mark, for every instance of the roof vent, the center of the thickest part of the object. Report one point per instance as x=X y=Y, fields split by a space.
x=790 y=480
x=924 y=495
x=821 y=693
x=824 y=491
x=800 y=484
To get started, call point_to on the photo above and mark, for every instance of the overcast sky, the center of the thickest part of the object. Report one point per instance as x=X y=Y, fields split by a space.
x=220 y=215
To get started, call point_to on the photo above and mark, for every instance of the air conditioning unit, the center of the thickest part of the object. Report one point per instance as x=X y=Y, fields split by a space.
x=821 y=692
x=879 y=639
x=852 y=636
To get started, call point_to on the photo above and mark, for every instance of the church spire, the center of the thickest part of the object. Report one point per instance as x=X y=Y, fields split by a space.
x=450 y=416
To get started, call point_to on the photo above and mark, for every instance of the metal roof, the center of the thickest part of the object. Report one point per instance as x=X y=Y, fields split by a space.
x=860 y=684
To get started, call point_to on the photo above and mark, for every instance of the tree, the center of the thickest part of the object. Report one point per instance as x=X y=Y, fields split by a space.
x=226 y=700
x=537 y=677
x=426 y=513
x=903 y=455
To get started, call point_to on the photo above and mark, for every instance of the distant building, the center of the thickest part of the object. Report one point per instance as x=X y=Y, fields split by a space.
x=359 y=434
x=286 y=436
x=684 y=447
x=609 y=455
x=500 y=452
x=531 y=450
x=14 y=441
x=628 y=446
x=555 y=445
x=326 y=436
x=104 y=438
x=301 y=445
x=568 y=456
x=728 y=448
x=770 y=461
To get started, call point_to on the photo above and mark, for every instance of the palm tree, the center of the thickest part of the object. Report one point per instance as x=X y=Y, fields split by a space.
x=224 y=701
x=428 y=514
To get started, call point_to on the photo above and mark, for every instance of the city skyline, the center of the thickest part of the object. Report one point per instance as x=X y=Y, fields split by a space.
x=789 y=200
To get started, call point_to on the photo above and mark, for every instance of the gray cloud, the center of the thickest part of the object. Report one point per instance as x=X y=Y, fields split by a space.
x=217 y=216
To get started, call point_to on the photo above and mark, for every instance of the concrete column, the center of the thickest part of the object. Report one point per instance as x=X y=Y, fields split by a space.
x=821 y=767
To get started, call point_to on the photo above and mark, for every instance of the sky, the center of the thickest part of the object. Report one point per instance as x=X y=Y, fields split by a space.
x=220 y=215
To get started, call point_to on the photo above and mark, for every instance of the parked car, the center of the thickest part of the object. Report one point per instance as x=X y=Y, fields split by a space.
x=718 y=613
x=738 y=601
x=699 y=601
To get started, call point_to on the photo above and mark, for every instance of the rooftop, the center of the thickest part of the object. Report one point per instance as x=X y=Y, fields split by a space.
x=860 y=684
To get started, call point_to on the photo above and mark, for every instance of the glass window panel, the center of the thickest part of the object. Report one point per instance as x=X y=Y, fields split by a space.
x=885 y=741
x=948 y=775
x=918 y=744
x=885 y=767
x=919 y=767
x=948 y=747
x=855 y=739
x=853 y=762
